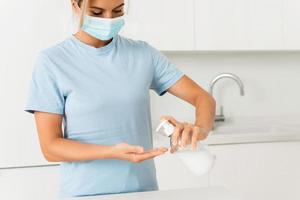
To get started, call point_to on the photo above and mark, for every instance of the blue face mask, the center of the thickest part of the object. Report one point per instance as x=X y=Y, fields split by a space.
x=102 y=28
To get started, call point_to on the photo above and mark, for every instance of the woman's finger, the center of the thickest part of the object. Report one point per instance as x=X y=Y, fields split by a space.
x=149 y=154
x=170 y=119
x=156 y=149
x=173 y=149
x=177 y=134
x=186 y=134
x=195 y=137
x=178 y=128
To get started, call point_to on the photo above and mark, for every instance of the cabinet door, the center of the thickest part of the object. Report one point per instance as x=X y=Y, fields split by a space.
x=238 y=24
x=29 y=183
x=258 y=171
x=291 y=25
x=165 y=24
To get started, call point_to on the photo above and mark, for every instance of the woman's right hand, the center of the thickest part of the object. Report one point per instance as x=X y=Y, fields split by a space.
x=136 y=154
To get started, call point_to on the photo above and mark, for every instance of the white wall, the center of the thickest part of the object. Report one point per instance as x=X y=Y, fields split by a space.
x=29 y=183
x=271 y=81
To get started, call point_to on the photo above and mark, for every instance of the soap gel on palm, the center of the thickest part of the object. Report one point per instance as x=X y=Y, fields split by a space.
x=199 y=161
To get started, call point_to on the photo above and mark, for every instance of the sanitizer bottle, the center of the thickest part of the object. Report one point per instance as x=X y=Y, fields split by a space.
x=199 y=161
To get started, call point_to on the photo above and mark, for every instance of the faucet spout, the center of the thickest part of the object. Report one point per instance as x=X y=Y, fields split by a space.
x=234 y=77
x=227 y=75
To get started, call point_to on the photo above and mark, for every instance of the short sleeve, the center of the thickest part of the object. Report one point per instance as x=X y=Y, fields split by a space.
x=165 y=74
x=44 y=94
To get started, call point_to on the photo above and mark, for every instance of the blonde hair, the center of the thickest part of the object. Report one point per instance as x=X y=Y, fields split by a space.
x=83 y=6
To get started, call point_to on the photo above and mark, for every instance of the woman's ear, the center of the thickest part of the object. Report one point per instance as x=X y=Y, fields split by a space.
x=75 y=7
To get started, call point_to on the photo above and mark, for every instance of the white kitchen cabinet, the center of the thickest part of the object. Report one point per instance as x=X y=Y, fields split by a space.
x=291 y=25
x=43 y=182
x=29 y=183
x=208 y=25
x=258 y=171
x=238 y=25
x=165 y=24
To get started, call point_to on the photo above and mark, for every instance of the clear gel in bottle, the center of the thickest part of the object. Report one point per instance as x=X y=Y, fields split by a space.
x=199 y=161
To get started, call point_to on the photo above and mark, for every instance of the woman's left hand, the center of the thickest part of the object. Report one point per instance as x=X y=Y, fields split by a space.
x=185 y=133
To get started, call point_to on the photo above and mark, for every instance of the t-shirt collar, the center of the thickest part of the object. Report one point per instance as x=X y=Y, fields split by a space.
x=94 y=50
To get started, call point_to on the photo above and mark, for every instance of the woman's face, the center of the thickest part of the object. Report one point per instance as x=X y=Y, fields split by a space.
x=103 y=8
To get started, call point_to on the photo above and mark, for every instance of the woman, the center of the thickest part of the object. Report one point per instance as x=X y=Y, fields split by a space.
x=97 y=83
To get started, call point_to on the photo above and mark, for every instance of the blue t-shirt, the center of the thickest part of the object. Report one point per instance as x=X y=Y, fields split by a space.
x=103 y=95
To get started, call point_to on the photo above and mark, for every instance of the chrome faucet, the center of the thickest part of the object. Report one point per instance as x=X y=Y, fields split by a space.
x=221 y=117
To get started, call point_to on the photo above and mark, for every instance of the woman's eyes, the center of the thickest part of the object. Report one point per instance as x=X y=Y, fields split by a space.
x=100 y=13
x=97 y=13
x=118 y=11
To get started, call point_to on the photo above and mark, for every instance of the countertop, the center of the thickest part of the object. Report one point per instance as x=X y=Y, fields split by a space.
x=208 y=193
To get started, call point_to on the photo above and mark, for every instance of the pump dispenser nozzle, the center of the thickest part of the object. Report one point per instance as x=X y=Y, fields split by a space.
x=168 y=128
x=168 y=131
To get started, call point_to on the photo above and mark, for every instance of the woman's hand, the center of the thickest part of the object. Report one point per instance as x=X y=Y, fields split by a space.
x=136 y=154
x=185 y=133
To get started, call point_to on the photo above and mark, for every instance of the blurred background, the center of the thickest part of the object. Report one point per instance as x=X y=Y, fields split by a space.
x=257 y=140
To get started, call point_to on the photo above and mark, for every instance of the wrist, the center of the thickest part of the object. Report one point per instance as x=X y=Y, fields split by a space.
x=201 y=131
x=107 y=152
